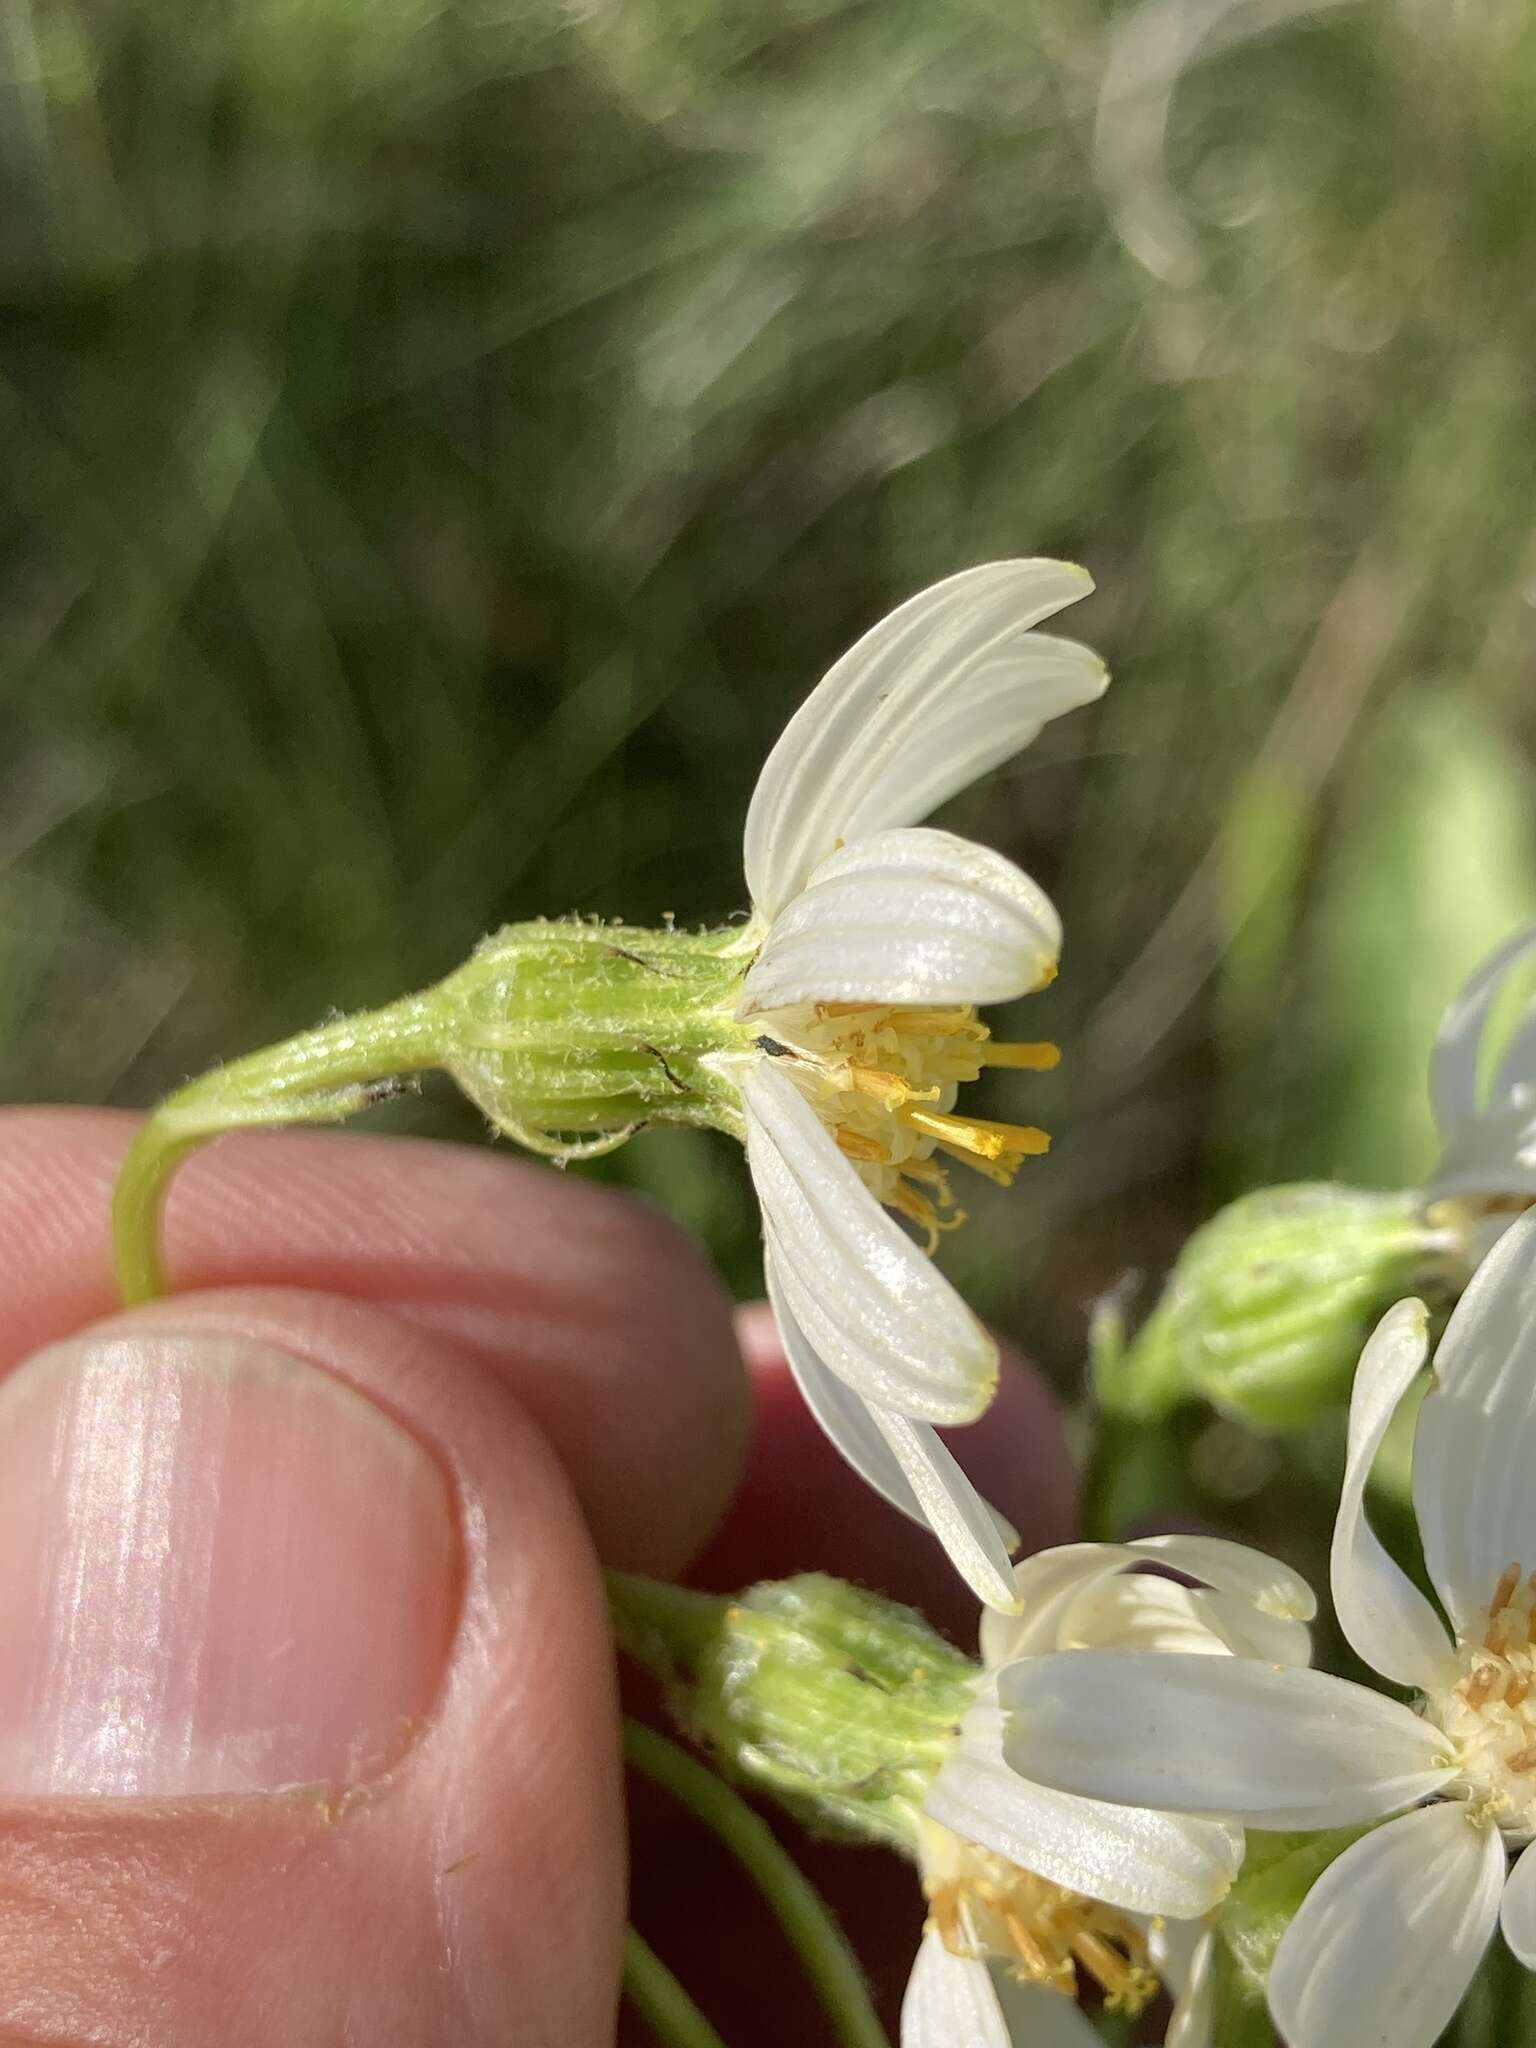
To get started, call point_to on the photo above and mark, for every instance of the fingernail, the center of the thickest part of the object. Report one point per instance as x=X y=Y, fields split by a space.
x=221 y=1570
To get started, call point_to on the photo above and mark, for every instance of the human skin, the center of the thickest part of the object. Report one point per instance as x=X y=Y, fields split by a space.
x=549 y=1373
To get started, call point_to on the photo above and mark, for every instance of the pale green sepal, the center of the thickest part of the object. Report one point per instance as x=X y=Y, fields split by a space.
x=1266 y=1311
x=838 y=1703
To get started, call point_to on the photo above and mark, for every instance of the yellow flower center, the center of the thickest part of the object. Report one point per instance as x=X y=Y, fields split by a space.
x=986 y=1908
x=884 y=1079
x=1490 y=1712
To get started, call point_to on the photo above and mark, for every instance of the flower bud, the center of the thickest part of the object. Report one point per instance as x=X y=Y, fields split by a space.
x=569 y=1035
x=840 y=1704
x=1266 y=1310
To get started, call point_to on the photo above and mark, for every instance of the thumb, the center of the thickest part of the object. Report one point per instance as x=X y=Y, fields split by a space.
x=306 y=1720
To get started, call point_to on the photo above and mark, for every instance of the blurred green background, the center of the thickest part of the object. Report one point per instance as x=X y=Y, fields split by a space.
x=442 y=444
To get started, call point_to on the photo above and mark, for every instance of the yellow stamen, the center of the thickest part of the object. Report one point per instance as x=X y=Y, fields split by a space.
x=859 y=1146
x=889 y=1089
x=1522 y=1760
x=1039 y=1058
x=1478 y=1689
x=974 y=1134
x=1504 y=1591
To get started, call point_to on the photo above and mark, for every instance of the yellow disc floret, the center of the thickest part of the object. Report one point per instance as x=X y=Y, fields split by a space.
x=884 y=1078
x=1489 y=1713
x=988 y=1909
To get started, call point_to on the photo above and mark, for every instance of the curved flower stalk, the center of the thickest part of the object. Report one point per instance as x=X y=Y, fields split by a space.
x=1386 y=1942
x=874 y=941
x=1483 y=1092
x=1031 y=1889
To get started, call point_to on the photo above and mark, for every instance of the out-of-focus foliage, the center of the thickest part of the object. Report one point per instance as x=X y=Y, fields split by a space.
x=442 y=444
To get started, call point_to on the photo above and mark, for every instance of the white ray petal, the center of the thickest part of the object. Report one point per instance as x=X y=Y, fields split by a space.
x=850 y=1425
x=1475 y=1449
x=1038 y=2017
x=1234 y=1568
x=964 y=1523
x=1456 y=1064
x=873 y=1307
x=1387 y=1940
x=1493 y=1154
x=1517 y=1914
x=1184 y=1954
x=1142 y=1861
x=947 y=686
x=1046 y=1584
x=1385 y=1616
x=950 y=2002
x=910 y=916
x=1277 y=1748
x=1135 y=1610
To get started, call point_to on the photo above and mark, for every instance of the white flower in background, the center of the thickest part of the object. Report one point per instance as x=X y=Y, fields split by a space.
x=1387 y=1941
x=874 y=942
x=1030 y=1889
x=1483 y=1094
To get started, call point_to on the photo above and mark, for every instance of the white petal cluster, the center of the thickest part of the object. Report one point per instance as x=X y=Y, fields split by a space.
x=1386 y=1943
x=1031 y=1888
x=874 y=941
x=1482 y=1092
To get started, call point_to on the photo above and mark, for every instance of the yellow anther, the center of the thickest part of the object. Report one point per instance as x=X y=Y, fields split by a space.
x=889 y=1089
x=1504 y=1591
x=1039 y=1058
x=858 y=1145
x=974 y=1135
x=1517 y=1691
x=1480 y=1687
x=1523 y=1760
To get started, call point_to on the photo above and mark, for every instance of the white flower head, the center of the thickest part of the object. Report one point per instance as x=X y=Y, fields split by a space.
x=1032 y=1890
x=1483 y=1092
x=875 y=939
x=1387 y=1941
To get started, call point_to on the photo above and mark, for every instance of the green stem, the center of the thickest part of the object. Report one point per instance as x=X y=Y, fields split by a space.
x=796 y=1904
x=321 y=1076
x=661 y=2001
x=663 y=1628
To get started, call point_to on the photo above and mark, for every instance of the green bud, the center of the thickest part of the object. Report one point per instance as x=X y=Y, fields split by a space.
x=839 y=1703
x=1266 y=1311
x=569 y=1036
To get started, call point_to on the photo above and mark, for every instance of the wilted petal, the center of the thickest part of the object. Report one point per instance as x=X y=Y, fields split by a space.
x=946 y=687
x=1475 y=1450
x=1224 y=1735
x=950 y=2002
x=912 y=916
x=872 y=1306
x=1129 y=1856
x=1384 y=1615
x=1389 y=1937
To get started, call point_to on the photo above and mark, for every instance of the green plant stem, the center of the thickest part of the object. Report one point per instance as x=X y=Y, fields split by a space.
x=322 y=1076
x=798 y=1907
x=661 y=2001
